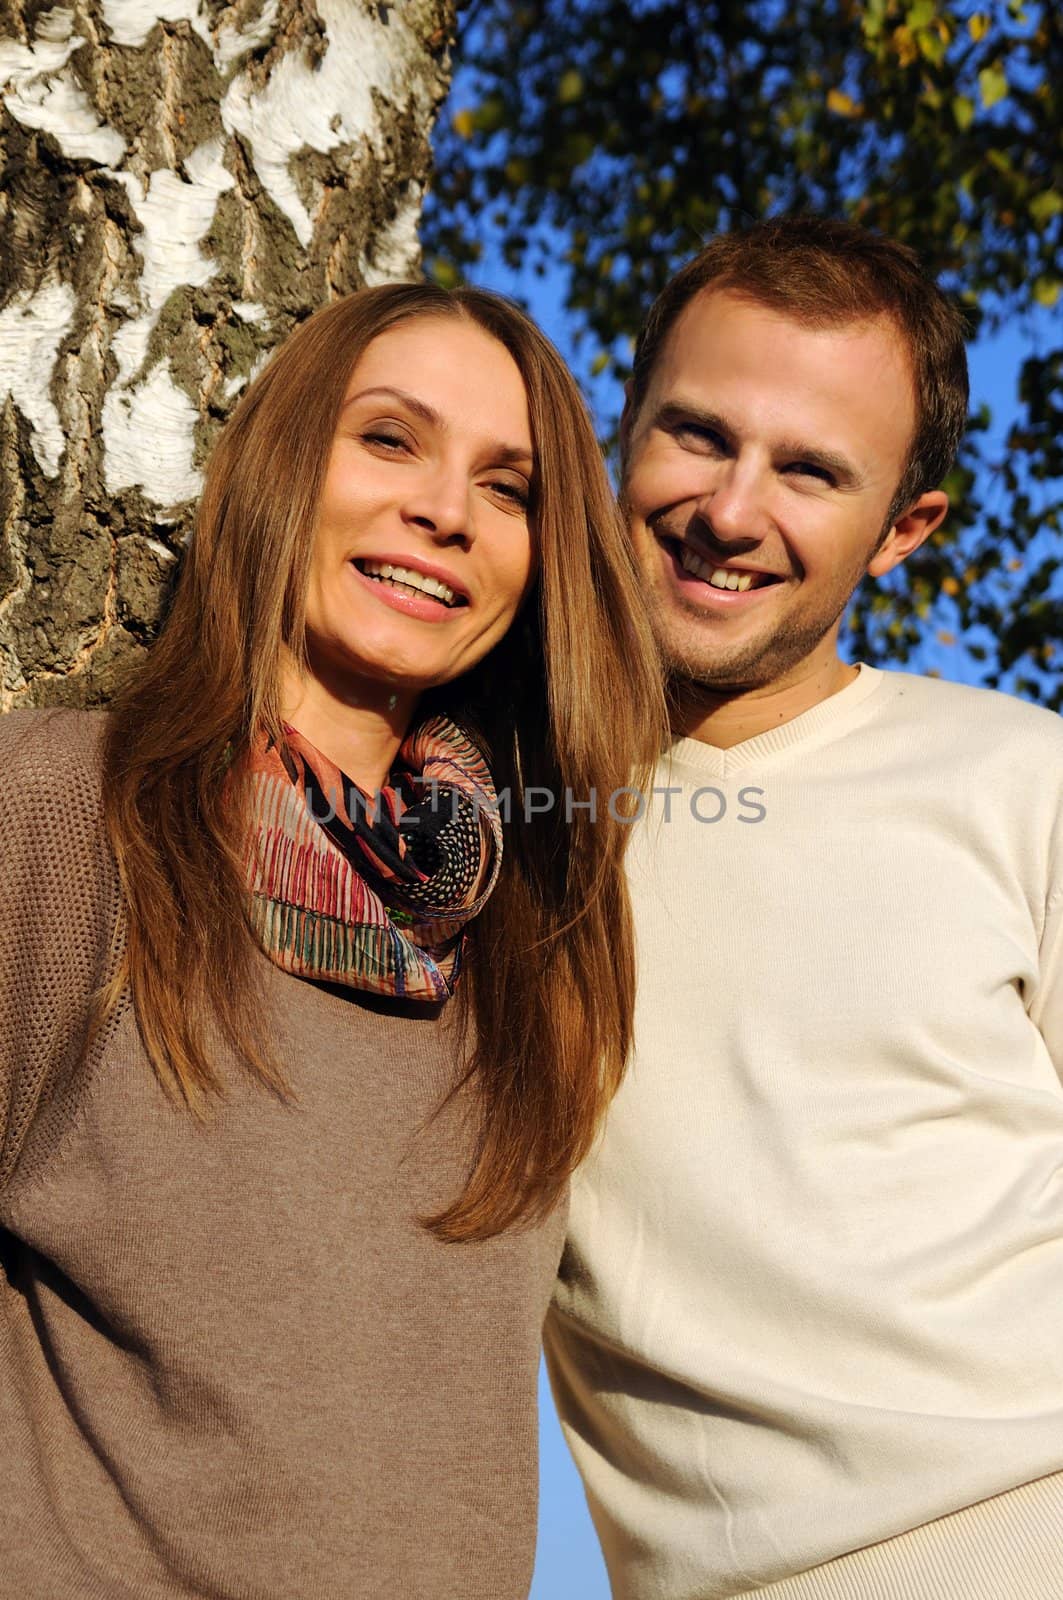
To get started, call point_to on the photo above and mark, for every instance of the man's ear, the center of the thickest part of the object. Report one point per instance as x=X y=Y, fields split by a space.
x=909 y=532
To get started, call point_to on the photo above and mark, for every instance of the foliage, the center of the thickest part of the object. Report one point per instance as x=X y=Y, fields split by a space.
x=618 y=137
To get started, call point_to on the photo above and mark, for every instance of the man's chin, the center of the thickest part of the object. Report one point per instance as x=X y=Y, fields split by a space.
x=722 y=671
x=691 y=682
x=711 y=666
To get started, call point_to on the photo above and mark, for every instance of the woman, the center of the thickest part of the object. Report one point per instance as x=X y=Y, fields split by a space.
x=280 y=1222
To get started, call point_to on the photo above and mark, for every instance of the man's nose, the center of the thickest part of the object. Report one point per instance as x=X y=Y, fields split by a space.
x=733 y=506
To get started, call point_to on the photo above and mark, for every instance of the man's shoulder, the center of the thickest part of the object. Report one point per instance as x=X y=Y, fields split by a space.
x=974 y=716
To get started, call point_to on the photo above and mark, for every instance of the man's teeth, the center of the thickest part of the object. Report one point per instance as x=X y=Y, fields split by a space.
x=410 y=580
x=718 y=577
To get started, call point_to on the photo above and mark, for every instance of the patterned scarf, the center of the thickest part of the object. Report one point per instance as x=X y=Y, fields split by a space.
x=371 y=892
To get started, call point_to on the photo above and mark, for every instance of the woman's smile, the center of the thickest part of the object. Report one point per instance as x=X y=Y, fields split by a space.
x=423 y=552
x=403 y=580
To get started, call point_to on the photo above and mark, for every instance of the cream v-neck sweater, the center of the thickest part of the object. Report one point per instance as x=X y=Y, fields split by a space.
x=812 y=1295
x=233 y=1364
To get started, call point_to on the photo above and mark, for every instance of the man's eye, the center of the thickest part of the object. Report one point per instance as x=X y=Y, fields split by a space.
x=697 y=436
x=809 y=469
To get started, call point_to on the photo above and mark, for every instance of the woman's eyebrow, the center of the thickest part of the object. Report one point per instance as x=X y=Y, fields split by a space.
x=410 y=401
x=502 y=454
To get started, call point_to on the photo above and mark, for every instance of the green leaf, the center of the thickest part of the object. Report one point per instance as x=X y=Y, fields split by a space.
x=1045 y=206
x=992 y=84
x=1046 y=291
x=963 y=112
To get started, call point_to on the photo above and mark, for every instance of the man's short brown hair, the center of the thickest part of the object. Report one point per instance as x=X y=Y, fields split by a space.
x=822 y=272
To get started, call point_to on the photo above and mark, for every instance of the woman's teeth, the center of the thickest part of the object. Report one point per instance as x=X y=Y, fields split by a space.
x=718 y=577
x=406 y=578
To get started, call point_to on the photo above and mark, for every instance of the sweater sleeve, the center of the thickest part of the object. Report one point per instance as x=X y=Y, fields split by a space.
x=58 y=909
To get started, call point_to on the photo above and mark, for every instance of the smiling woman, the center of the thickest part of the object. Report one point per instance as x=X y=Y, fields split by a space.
x=279 y=1219
x=423 y=552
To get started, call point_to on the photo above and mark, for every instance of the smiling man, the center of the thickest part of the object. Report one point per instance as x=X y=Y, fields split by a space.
x=808 y=1337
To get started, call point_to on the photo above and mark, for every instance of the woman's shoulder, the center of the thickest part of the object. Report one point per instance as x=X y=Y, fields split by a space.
x=58 y=906
x=46 y=742
x=51 y=766
x=52 y=835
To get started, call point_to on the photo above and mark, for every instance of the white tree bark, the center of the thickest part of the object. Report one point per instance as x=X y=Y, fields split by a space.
x=180 y=182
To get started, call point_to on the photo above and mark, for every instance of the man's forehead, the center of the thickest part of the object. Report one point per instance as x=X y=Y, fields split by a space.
x=844 y=396
x=722 y=330
x=718 y=305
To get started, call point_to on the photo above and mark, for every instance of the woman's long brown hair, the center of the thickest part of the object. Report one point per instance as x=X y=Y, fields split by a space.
x=569 y=702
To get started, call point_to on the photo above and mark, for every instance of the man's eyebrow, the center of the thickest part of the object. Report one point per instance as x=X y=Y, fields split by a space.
x=676 y=412
x=840 y=467
x=502 y=454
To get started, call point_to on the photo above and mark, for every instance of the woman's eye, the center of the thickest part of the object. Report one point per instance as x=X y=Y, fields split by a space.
x=517 y=493
x=387 y=438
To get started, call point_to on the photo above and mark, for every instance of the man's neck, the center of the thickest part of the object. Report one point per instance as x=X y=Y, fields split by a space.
x=725 y=718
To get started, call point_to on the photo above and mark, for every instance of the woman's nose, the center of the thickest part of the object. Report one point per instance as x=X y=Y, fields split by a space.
x=440 y=505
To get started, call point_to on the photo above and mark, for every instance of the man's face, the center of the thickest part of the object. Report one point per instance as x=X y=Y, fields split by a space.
x=765 y=455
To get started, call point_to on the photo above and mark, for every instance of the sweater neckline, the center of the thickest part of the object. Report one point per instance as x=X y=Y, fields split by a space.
x=828 y=716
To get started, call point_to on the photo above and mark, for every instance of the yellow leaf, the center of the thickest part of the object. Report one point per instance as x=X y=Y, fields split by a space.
x=944 y=637
x=1046 y=291
x=843 y=105
x=570 y=87
x=463 y=124
x=978 y=26
x=907 y=49
x=950 y=586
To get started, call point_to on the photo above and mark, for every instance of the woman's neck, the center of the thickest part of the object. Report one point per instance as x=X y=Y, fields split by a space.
x=358 y=726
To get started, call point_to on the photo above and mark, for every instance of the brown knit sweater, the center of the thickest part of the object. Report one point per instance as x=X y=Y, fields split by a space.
x=232 y=1364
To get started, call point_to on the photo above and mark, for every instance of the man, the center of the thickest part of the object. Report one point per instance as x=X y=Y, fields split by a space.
x=808 y=1337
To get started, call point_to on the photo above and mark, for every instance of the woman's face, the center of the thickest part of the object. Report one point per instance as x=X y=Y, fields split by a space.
x=423 y=551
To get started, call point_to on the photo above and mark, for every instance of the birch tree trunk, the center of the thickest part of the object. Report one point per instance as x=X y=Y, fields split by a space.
x=182 y=181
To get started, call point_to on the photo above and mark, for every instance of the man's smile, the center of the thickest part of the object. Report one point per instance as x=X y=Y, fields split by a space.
x=728 y=584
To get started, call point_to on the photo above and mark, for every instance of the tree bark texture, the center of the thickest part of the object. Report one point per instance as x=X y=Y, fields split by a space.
x=182 y=181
